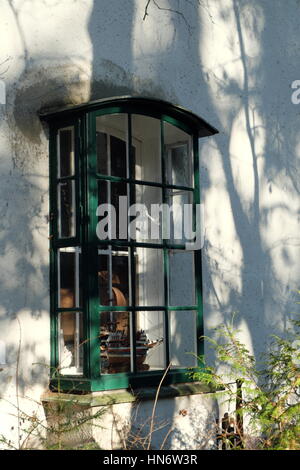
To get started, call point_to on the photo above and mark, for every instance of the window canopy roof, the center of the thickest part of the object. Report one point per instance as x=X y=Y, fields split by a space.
x=135 y=104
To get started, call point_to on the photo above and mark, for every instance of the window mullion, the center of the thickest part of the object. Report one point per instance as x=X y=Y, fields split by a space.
x=77 y=315
x=131 y=265
x=110 y=254
x=77 y=340
x=77 y=304
x=93 y=343
x=110 y=287
x=165 y=250
x=132 y=314
x=198 y=254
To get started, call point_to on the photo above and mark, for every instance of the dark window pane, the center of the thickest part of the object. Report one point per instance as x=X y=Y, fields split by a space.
x=102 y=160
x=66 y=226
x=105 y=294
x=68 y=281
x=66 y=153
x=118 y=157
x=112 y=144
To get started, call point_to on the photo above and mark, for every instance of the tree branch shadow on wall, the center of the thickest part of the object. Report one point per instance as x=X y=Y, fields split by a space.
x=110 y=78
x=259 y=279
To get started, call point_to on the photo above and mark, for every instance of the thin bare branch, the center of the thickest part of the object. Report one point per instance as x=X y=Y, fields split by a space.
x=146 y=10
x=155 y=403
x=170 y=10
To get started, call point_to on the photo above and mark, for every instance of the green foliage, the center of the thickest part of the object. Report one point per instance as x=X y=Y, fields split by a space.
x=270 y=387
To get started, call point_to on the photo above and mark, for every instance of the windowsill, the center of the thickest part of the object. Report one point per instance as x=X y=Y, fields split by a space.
x=113 y=397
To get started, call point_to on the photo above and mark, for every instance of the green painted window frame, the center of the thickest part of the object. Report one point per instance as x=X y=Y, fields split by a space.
x=83 y=118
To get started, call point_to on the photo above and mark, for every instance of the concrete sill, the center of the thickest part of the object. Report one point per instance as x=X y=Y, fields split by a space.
x=113 y=397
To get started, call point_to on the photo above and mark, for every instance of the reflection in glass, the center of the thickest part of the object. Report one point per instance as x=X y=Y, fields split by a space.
x=66 y=204
x=179 y=163
x=181 y=278
x=113 y=277
x=146 y=138
x=149 y=277
x=183 y=338
x=115 y=342
x=66 y=152
x=146 y=223
x=178 y=223
x=116 y=352
x=111 y=145
x=113 y=282
x=150 y=341
x=70 y=327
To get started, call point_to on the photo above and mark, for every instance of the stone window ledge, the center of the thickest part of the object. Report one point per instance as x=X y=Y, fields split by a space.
x=113 y=397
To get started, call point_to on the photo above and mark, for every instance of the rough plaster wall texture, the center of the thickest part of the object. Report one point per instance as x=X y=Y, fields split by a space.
x=218 y=59
x=180 y=423
x=250 y=172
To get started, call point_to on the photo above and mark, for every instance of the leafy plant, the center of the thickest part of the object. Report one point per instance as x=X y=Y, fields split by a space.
x=266 y=392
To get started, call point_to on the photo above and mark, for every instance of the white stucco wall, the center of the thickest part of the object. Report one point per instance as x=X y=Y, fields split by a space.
x=230 y=61
x=179 y=423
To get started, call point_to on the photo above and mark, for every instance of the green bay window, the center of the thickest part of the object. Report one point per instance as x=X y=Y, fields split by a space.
x=126 y=295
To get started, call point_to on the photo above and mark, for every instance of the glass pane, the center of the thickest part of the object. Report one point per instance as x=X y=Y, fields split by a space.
x=149 y=277
x=113 y=221
x=146 y=215
x=66 y=162
x=115 y=341
x=181 y=278
x=68 y=281
x=178 y=221
x=146 y=139
x=113 y=278
x=112 y=144
x=178 y=154
x=183 y=338
x=118 y=156
x=66 y=205
x=70 y=327
x=150 y=341
x=102 y=155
